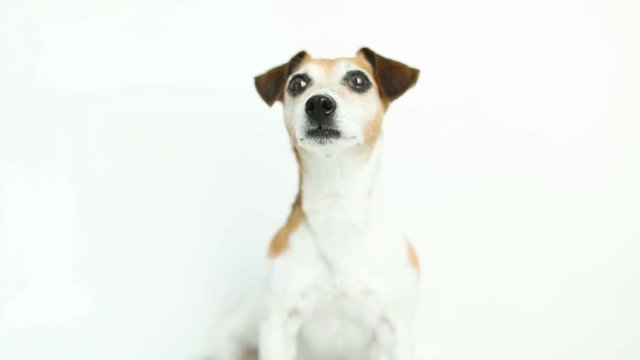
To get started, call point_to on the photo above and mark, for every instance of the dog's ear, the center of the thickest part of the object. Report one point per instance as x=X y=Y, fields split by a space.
x=393 y=77
x=270 y=85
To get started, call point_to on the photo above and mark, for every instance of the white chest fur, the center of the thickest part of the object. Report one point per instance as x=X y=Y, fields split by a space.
x=344 y=285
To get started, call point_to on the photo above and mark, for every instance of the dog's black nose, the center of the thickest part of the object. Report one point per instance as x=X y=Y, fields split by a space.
x=319 y=108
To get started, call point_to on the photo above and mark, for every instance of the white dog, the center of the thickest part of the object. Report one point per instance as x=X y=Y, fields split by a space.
x=343 y=282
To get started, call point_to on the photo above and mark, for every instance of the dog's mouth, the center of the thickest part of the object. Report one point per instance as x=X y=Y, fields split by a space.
x=323 y=134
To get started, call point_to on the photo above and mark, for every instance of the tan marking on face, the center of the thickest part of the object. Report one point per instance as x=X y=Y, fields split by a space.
x=362 y=63
x=271 y=84
x=328 y=65
x=414 y=261
x=280 y=241
x=373 y=130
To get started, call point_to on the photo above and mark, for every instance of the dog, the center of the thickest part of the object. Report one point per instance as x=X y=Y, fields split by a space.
x=344 y=280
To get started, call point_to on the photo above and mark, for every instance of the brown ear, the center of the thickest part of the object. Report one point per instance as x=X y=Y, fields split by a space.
x=270 y=85
x=393 y=77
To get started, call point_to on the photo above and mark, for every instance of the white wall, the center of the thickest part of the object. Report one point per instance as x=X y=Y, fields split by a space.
x=141 y=177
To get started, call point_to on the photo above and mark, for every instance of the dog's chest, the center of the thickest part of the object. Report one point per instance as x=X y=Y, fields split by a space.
x=346 y=234
x=344 y=264
x=338 y=314
x=350 y=280
x=346 y=249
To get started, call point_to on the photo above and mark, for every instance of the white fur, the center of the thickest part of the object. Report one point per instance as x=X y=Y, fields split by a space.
x=344 y=287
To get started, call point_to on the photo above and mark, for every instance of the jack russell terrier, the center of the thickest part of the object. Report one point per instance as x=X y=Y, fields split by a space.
x=344 y=281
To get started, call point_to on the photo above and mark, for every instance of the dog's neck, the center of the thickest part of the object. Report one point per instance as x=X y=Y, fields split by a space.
x=340 y=192
x=340 y=176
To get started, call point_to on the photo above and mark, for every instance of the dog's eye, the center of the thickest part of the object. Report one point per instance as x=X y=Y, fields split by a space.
x=298 y=84
x=358 y=81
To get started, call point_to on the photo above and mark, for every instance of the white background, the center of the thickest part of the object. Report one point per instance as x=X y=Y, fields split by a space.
x=141 y=176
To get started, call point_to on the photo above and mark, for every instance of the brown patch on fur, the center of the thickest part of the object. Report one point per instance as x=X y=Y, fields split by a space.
x=393 y=77
x=271 y=84
x=414 y=261
x=328 y=64
x=280 y=241
x=373 y=130
x=360 y=61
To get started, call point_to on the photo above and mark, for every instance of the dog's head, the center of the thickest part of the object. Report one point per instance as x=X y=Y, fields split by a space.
x=338 y=103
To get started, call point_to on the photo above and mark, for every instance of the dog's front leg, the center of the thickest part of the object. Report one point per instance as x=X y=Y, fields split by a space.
x=279 y=334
